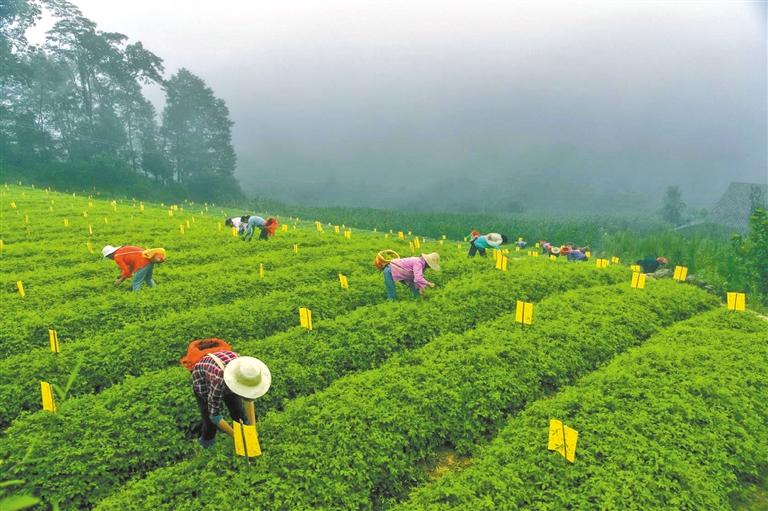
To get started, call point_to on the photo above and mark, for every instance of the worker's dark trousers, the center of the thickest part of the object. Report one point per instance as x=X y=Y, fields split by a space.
x=474 y=250
x=234 y=405
x=263 y=234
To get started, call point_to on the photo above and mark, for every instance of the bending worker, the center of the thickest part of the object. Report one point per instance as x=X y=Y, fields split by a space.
x=253 y=222
x=134 y=261
x=651 y=264
x=410 y=271
x=236 y=222
x=225 y=377
x=482 y=242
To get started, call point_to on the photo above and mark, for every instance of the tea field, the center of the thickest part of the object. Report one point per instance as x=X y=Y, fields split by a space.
x=437 y=402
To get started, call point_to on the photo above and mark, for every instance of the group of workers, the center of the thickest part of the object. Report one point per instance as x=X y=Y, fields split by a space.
x=221 y=377
x=246 y=226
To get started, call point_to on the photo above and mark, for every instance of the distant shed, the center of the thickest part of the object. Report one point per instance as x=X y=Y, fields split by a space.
x=737 y=203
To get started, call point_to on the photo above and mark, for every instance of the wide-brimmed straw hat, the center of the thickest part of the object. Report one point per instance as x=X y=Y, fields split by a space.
x=108 y=250
x=433 y=260
x=247 y=377
x=662 y=260
x=555 y=250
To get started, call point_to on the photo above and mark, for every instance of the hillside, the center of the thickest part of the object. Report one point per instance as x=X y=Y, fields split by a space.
x=434 y=402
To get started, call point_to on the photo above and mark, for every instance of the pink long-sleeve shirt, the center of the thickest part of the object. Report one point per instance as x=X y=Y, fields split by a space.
x=410 y=269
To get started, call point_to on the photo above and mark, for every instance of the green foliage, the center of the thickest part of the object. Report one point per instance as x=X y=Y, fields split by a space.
x=359 y=442
x=752 y=256
x=677 y=423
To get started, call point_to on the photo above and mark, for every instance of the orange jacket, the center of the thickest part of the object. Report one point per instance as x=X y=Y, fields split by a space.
x=130 y=259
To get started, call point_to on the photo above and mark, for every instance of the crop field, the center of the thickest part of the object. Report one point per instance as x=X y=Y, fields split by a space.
x=435 y=402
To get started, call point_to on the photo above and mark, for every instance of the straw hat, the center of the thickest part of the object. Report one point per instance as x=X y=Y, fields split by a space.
x=247 y=377
x=555 y=250
x=108 y=250
x=662 y=260
x=433 y=260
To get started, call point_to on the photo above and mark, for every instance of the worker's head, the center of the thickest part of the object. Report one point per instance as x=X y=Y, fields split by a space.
x=244 y=218
x=247 y=377
x=662 y=260
x=433 y=260
x=504 y=239
x=109 y=251
x=228 y=222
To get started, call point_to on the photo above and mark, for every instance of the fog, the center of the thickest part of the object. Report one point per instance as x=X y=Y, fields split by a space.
x=557 y=106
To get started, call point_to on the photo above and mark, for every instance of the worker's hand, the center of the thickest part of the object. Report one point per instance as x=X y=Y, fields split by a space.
x=206 y=443
x=431 y=284
x=216 y=419
x=118 y=281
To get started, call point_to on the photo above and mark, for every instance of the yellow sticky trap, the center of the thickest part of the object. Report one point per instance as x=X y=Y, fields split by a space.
x=638 y=280
x=737 y=301
x=562 y=439
x=246 y=440
x=234 y=232
x=90 y=229
x=20 y=287
x=53 y=340
x=181 y=228
x=187 y=223
x=601 y=263
x=524 y=313
x=170 y=212
x=13 y=204
x=47 y=393
x=219 y=226
x=105 y=220
x=517 y=249
x=295 y=248
x=410 y=245
x=66 y=222
x=261 y=270
x=636 y=268
x=141 y=207
x=537 y=245
x=681 y=272
x=615 y=260
x=416 y=243
x=318 y=226
x=89 y=246
x=588 y=254
x=552 y=257
x=2 y=245
x=400 y=235
x=348 y=234
x=285 y=227
x=305 y=318
x=336 y=229
x=85 y=214
x=343 y=281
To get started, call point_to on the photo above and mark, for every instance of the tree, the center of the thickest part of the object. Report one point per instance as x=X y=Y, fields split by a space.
x=752 y=255
x=198 y=133
x=672 y=206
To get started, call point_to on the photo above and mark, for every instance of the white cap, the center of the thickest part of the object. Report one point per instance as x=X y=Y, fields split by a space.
x=109 y=249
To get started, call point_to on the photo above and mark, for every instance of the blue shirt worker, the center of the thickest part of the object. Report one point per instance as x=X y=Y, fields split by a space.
x=485 y=241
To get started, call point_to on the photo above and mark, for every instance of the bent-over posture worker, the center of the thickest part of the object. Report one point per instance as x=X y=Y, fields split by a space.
x=133 y=261
x=410 y=271
x=225 y=378
x=253 y=222
x=577 y=254
x=484 y=241
x=650 y=264
x=235 y=222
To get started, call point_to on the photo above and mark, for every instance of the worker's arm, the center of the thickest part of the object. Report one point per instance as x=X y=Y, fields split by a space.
x=119 y=280
x=418 y=278
x=215 y=398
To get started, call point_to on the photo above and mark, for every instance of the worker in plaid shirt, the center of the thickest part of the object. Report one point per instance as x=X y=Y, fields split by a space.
x=210 y=391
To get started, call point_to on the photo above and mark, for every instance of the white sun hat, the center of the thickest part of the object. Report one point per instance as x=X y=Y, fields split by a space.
x=247 y=377
x=433 y=260
x=108 y=250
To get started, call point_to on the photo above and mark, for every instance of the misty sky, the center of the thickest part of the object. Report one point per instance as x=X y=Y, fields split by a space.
x=433 y=100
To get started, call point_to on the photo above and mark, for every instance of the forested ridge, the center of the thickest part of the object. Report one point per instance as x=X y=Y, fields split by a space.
x=73 y=113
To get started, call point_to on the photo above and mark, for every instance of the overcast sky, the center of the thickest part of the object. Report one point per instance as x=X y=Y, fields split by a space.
x=625 y=96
